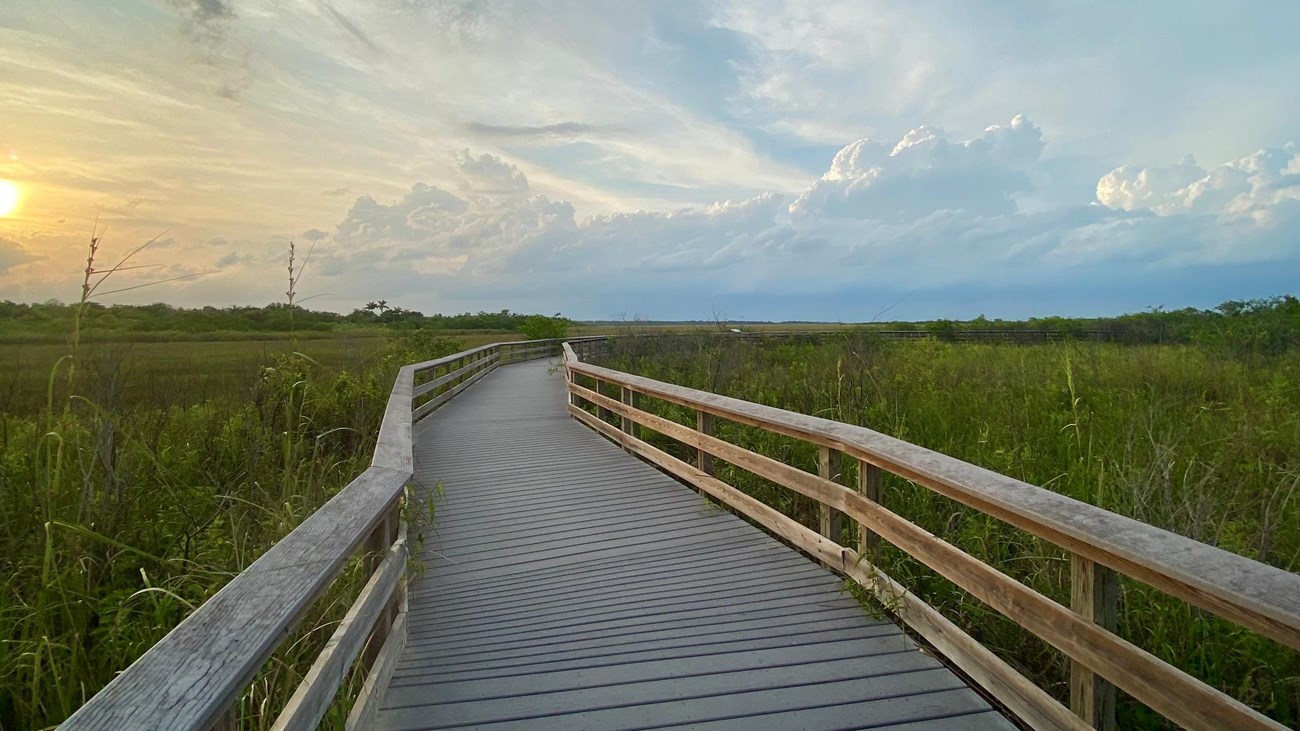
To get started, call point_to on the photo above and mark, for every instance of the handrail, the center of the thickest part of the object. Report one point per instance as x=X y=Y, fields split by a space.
x=1257 y=596
x=194 y=676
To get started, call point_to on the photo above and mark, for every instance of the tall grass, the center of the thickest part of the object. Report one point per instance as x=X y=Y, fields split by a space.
x=121 y=515
x=1185 y=438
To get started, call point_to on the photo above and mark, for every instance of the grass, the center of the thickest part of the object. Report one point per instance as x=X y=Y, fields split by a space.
x=1185 y=438
x=138 y=489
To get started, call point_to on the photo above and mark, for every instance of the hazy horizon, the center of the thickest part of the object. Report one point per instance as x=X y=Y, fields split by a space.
x=781 y=160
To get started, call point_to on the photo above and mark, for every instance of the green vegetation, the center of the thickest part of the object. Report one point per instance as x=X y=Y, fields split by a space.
x=51 y=322
x=541 y=327
x=1203 y=440
x=185 y=442
x=1256 y=327
x=129 y=499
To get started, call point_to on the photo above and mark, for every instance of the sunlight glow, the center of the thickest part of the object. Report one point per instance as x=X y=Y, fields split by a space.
x=9 y=197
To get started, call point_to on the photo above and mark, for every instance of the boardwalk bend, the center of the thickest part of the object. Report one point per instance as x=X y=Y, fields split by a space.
x=576 y=576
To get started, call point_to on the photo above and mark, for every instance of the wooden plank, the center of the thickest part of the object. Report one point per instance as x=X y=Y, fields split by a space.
x=424 y=388
x=1255 y=595
x=704 y=425
x=869 y=484
x=1171 y=692
x=428 y=407
x=316 y=692
x=1094 y=595
x=1029 y=702
x=828 y=468
x=189 y=678
x=368 y=701
x=393 y=447
x=642 y=615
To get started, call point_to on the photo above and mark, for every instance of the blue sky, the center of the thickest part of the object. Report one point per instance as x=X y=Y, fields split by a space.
x=754 y=160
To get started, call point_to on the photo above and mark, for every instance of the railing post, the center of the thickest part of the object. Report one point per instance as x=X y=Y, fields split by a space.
x=869 y=477
x=828 y=468
x=380 y=540
x=1094 y=595
x=704 y=425
x=626 y=397
x=602 y=413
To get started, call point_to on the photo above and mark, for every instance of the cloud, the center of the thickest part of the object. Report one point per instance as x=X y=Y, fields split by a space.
x=349 y=26
x=435 y=230
x=488 y=174
x=314 y=234
x=12 y=254
x=1248 y=186
x=924 y=212
x=559 y=129
x=925 y=172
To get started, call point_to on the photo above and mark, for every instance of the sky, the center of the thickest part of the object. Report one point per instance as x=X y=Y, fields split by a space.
x=767 y=160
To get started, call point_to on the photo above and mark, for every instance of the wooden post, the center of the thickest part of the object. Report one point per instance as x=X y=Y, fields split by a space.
x=869 y=478
x=1094 y=594
x=377 y=545
x=828 y=467
x=602 y=412
x=704 y=425
x=625 y=396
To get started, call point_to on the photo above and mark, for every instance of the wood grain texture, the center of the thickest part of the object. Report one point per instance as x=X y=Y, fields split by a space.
x=571 y=585
x=1027 y=701
x=1255 y=595
x=189 y=678
x=316 y=692
x=366 y=707
x=1171 y=692
x=1094 y=595
x=393 y=447
x=869 y=484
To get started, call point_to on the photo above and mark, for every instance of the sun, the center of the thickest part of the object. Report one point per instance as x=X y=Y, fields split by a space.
x=9 y=196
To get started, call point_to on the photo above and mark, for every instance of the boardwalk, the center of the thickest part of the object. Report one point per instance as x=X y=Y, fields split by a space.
x=570 y=585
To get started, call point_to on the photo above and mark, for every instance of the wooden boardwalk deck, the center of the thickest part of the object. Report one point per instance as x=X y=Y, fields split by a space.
x=570 y=585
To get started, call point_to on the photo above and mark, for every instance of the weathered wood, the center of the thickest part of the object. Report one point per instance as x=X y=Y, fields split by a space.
x=489 y=364
x=200 y=668
x=228 y=721
x=625 y=395
x=316 y=692
x=828 y=468
x=647 y=611
x=368 y=699
x=1255 y=595
x=424 y=388
x=1027 y=701
x=1171 y=692
x=869 y=484
x=393 y=448
x=704 y=425
x=1094 y=595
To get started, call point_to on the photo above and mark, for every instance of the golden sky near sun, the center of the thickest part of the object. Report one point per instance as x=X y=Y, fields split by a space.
x=10 y=197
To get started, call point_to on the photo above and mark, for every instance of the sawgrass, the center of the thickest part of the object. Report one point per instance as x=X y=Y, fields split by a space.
x=1190 y=439
x=146 y=481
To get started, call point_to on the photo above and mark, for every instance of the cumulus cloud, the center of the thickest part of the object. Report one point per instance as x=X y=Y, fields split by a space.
x=924 y=210
x=925 y=172
x=437 y=231
x=1252 y=185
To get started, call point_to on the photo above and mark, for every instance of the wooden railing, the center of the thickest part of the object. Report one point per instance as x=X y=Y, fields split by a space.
x=1101 y=544
x=193 y=678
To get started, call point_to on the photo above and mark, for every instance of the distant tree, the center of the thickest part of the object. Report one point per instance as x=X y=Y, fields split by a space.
x=541 y=327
